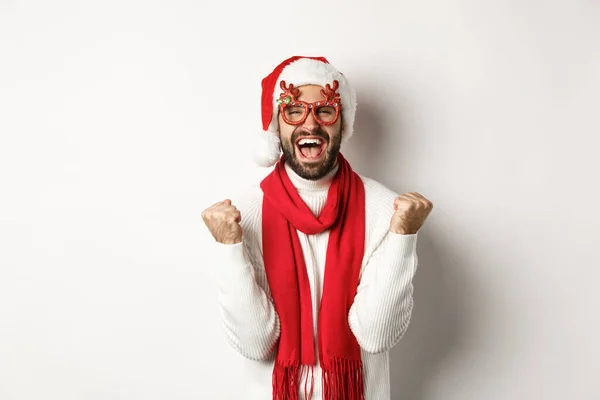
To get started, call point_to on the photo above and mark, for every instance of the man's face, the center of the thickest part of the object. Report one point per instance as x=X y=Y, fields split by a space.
x=308 y=159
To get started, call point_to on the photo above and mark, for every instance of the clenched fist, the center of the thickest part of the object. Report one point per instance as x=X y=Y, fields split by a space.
x=411 y=211
x=223 y=220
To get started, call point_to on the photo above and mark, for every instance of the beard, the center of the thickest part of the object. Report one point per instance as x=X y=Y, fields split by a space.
x=317 y=170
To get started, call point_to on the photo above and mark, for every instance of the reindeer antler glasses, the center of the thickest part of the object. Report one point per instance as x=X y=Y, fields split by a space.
x=294 y=111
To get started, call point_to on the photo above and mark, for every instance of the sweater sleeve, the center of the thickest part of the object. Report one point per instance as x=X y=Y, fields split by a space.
x=248 y=314
x=383 y=303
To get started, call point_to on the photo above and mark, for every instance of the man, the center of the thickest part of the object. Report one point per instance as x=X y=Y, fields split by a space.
x=316 y=282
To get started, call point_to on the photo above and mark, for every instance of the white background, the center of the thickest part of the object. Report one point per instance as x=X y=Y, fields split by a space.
x=120 y=121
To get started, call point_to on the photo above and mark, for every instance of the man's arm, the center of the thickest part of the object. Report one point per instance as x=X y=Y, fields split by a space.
x=383 y=303
x=249 y=317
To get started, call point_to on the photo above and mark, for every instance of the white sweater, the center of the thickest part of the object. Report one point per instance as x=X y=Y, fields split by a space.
x=378 y=317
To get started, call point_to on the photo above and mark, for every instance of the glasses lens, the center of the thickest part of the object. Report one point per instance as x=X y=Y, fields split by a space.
x=325 y=113
x=294 y=113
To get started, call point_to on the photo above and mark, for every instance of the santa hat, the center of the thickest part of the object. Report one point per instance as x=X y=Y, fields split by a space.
x=298 y=70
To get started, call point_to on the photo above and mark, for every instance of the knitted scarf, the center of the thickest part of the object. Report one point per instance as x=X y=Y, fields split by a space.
x=283 y=212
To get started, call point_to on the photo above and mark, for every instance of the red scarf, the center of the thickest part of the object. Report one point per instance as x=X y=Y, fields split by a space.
x=283 y=212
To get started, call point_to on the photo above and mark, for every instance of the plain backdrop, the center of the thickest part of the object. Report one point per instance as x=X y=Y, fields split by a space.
x=120 y=121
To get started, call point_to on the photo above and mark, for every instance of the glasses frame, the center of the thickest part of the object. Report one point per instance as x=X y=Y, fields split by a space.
x=289 y=98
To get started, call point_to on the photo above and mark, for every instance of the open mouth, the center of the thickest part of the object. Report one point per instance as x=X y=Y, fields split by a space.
x=310 y=148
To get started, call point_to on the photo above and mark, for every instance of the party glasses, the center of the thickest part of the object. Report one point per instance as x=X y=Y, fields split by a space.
x=295 y=112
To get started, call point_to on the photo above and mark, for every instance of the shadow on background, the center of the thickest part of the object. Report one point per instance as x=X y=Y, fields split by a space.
x=438 y=318
x=437 y=325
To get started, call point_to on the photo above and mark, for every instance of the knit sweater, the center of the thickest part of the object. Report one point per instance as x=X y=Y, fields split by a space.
x=378 y=317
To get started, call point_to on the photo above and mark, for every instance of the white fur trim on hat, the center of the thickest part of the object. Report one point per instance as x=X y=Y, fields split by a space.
x=266 y=149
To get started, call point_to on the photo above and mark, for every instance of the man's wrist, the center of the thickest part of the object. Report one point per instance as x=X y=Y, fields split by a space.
x=231 y=241
x=402 y=231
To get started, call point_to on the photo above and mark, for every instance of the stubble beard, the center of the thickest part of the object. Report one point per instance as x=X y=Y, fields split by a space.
x=317 y=170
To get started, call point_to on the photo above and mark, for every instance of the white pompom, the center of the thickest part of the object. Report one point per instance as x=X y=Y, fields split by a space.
x=266 y=149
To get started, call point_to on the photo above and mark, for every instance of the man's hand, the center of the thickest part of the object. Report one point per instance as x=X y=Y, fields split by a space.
x=223 y=220
x=411 y=211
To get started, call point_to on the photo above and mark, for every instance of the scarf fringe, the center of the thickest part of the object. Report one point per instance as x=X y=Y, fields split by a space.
x=287 y=376
x=344 y=380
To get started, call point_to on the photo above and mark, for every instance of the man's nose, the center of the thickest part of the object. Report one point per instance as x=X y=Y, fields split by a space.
x=310 y=123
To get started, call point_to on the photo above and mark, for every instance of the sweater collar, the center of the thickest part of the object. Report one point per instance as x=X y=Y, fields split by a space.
x=317 y=185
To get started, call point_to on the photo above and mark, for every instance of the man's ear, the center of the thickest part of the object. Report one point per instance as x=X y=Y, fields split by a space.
x=278 y=127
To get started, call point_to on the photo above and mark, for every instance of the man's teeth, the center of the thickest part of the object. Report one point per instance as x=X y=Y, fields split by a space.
x=309 y=141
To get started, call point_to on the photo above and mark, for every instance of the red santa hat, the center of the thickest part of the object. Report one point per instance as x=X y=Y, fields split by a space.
x=298 y=70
